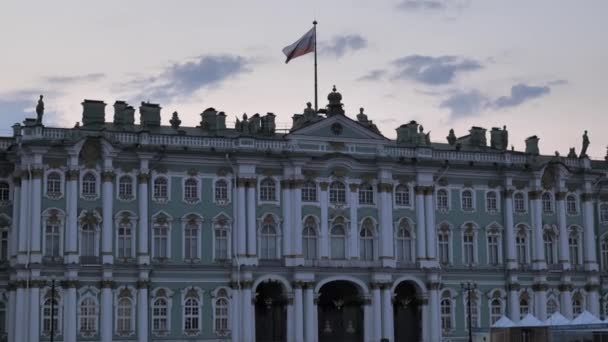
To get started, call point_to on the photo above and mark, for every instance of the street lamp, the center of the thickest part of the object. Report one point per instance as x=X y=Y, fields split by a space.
x=469 y=288
x=52 y=308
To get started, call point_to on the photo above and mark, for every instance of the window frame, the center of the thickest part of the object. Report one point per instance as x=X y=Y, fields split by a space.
x=366 y=197
x=496 y=199
x=521 y=227
x=339 y=220
x=153 y=194
x=364 y=240
x=88 y=293
x=438 y=205
x=132 y=297
x=445 y=228
x=310 y=222
x=86 y=196
x=197 y=187
x=167 y=296
x=408 y=196
x=120 y=218
x=448 y=296
x=578 y=232
x=158 y=218
x=134 y=187
x=216 y=295
x=275 y=192
x=410 y=228
x=547 y=203
x=187 y=220
x=187 y=294
x=337 y=193
x=524 y=199
x=575 y=200
x=463 y=191
x=494 y=230
x=222 y=222
x=314 y=190
x=59 y=215
x=61 y=193
x=266 y=219
x=473 y=228
x=222 y=201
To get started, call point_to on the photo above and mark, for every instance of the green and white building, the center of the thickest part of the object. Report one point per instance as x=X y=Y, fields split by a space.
x=328 y=231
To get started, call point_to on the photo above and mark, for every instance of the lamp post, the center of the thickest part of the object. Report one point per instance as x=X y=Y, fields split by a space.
x=469 y=288
x=52 y=308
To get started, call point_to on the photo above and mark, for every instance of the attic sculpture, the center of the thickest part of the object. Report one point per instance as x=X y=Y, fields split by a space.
x=175 y=121
x=572 y=153
x=451 y=137
x=39 y=110
x=585 y=145
x=412 y=134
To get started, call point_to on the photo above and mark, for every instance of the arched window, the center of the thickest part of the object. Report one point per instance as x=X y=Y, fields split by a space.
x=519 y=202
x=221 y=191
x=443 y=240
x=402 y=195
x=574 y=246
x=338 y=239
x=4 y=192
x=53 y=184
x=404 y=242
x=221 y=313
x=495 y=310
x=547 y=201
x=337 y=193
x=309 y=239
x=604 y=256
x=191 y=190
x=88 y=317
x=524 y=306
x=191 y=315
x=494 y=246
x=52 y=237
x=51 y=314
x=442 y=199
x=577 y=304
x=3 y=244
x=161 y=189
x=366 y=194
x=366 y=240
x=268 y=239
x=125 y=238
x=125 y=188
x=550 y=250
x=268 y=191
x=467 y=200
x=446 y=312
x=88 y=240
x=221 y=232
x=473 y=296
x=491 y=201
x=468 y=243
x=191 y=238
x=552 y=307
x=521 y=245
x=160 y=236
x=571 y=207
x=604 y=213
x=124 y=316
x=89 y=185
x=309 y=191
x=160 y=316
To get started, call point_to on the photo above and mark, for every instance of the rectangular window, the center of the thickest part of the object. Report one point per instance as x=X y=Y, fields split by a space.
x=221 y=244
x=493 y=243
x=468 y=249
x=191 y=243
x=444 y=248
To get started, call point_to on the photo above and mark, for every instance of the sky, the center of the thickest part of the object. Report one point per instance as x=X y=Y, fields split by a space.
x=538 y=67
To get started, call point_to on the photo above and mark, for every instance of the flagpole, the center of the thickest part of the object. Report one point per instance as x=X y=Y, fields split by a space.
x=316 y=101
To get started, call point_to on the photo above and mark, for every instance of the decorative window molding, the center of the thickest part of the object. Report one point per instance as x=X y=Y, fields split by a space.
x=269 y=237
x=553 y=303
x=476 y=297
x=572 y=204
x=161 y=188
x=45 y=311
x=579 y=302
x=338 y=194
x=526 y=302
x=222 y=314
x=5 y=228
x=125 y=223
x=125 y=308
x=492 y=202
x=494 y=238
x=548 y=204
x=367 y=195
x=520 y=202
x=604 y=253
x=222 y=232
x=522 y=244
x=161 y=304
x=192 y=311
x=447 y=311
x=603 y=213
x=5 y=192
x=444 y=243
x=89 y=226
x=550 y=243
x=126 y=187
x=403 y=197
x=575 y=244
x=192 y=227
x=442 y=200
x=468 y=200
x=405 y=240
x=338 y=238
x=53 y=220
x=368 y=239
x=90 y=180
x=310 y=192
x=191 y=189
x=496 y=304
x=469 y=245
x=310 y=237
x=222 y=191
x=88 y=312
x=54 y=184
x=161 y=236
x=268 y=190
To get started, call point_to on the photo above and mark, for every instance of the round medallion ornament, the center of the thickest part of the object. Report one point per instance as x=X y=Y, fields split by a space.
x=336 y=128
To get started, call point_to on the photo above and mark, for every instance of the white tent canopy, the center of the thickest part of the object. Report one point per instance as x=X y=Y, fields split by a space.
x=557 y=319
x=530 y=321
x=586 y=317
x=503 y=322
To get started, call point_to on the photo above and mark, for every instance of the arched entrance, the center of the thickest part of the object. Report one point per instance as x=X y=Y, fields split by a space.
x=270 y=312
x=340 y=312
x=407 y=313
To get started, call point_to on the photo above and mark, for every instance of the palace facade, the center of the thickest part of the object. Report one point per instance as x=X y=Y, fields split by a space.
x=328 y=231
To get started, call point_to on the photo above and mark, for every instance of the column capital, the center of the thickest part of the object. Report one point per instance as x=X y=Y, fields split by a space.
x=560 y=196
x=37 y=173
x=107 y=284
x=72 y=175
x=375 y=285
x=70 y=284
x=143 y=178
x=323 y=186
x=309 y=285
x=246 y=284
x=17 y=180
x=143 y=284
x=108 y=176
x=537 y=287
x=534 y=194
x=428 y=190
x=586 y=197
x=513 y=286
x=592 y=287
x=298 y=284
x=353 y=187
x=507 y=193
x=566 y=287
x=298 y=183
x=419 y=189
x=434 y=285
x=385 y=187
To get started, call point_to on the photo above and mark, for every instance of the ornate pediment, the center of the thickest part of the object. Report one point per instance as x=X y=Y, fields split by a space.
x=336 y=128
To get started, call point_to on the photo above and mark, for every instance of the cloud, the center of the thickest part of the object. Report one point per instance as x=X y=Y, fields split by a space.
x=416 y=5
x=74 y=79
x=183 y=79
x=433 y=70
x=338 y=46
x=465 y=103
x=521 y=93
x=373 y=75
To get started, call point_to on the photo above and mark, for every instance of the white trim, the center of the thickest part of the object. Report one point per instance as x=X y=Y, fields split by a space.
x=525 y=199
x=528 y=246
x=473 y=200
x=59 y=306
x=599 y=213
x=278 y=230
x=199 y=299
x=10 y=191
x=496 y=294
x=317 y=229
x=169 y=233
x=575 y=228
x=214 y=298
x=277 y=190
x=317 y=192
x=167 y=177
x=374 y=195
x=551 y=203
x=133 y=298
x=228 y=181
x=132 y=217
x=347 y=232
x=449 y=200
x=498 y=203
x=410 y=193
x=478 y=298
x=84 y=293
x=134 y=185
x=229 y=228
x=411 y=230
x=577 y=203
x=196 y=200
x=475 y=230
x=198 y=219
x=46 y=214
x=61 y=172
x=450 y=295
x=375 y=237
x=450 y=231
x=497 y=227
x=97 y=227
x=169 y=297
x=97 y=175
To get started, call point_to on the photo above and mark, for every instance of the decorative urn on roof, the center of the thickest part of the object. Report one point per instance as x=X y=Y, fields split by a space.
x=334 y=107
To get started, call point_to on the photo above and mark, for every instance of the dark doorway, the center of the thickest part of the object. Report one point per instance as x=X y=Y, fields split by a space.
x=407 y=313
x=270 y=313
x=340 y=313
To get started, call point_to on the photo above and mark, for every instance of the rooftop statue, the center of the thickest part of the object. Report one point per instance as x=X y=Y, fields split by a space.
x=585 y=145
x=451 y=137
x=309 y=112
x=572 y=153
x=362 y=117
x=175 y=121
x=39 y=110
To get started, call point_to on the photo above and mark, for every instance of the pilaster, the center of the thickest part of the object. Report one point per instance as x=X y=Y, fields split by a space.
x=353 y=236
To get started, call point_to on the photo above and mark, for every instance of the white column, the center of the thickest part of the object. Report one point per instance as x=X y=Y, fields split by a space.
x=12 y=313
x=298 y=313
x=235 y=314
x=251 y=226
x=420 y=225
x=353 y=236
x=385 y=224
x=143 y=256
x=367 y=320
x=387 y=313
x=429 y=217
x=564 y=250
x=24 y=217
x=376 y=312
x=435 y=318
x=142 y=311
x=107 y=210
x=310 y=332
x=69 y=313
x=593 y=299
x=590 y=257
x=287 y=223
x=20 y=328
x=33 y=316
x=296 y=203
x=514 y=302
x=106 y=330
x=511 y=257
x=71 y=234
x=247 y=311
x=324 y=237
x=291 y=334
x=538 y=258
x=14 y=233
x=426 y=320
x=540 y=297
x=36 y=201
x=241 y=218
x=565 y=298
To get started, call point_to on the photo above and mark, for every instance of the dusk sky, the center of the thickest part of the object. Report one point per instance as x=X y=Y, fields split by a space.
x=538 y=67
